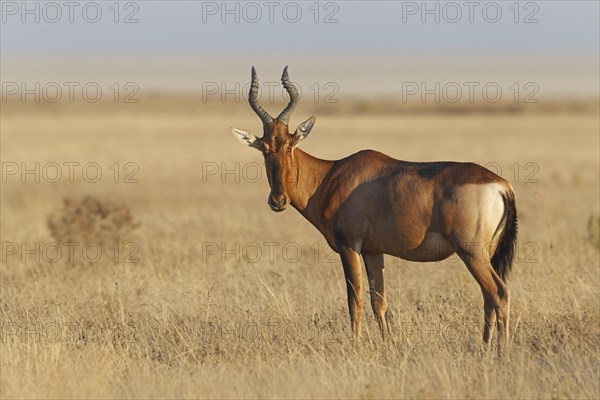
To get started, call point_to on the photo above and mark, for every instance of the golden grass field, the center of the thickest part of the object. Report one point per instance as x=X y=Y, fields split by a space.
x=230 y=300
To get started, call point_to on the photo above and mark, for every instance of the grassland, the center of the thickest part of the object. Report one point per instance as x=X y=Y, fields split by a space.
x=223 y=298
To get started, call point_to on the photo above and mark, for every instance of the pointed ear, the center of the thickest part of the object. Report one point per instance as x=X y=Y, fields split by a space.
x=245 y=137
x=303 y=130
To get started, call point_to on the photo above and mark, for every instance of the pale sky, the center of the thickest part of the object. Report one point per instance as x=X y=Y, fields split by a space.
x=171 y=40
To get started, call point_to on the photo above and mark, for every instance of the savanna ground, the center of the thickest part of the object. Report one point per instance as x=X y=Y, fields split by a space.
x=216 y=296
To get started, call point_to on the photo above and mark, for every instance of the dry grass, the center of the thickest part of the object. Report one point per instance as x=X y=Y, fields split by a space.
x=188 y=319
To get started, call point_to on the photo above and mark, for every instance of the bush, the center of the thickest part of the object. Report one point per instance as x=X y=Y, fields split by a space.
x=90 y=220
x=593 y=228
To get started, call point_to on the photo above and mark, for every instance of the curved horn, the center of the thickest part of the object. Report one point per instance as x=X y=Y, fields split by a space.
x=262 y=114
x=294 y=97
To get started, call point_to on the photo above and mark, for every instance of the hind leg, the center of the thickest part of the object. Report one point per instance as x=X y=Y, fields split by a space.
x=489 y=319
x=502 y=311
x=495 y=294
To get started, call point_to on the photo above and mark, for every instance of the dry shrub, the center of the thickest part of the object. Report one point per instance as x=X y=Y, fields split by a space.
x=593 y=228
x=90 y=220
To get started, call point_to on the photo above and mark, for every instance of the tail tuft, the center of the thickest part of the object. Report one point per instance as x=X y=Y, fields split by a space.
x=503 y=256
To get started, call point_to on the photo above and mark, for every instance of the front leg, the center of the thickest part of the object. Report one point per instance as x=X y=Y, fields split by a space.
x=353 y=274
x=375 y=268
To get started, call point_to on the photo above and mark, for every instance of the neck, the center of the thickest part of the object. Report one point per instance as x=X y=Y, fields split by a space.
x=310 y=172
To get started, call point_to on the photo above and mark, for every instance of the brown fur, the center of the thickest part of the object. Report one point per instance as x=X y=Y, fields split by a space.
x=369 y=204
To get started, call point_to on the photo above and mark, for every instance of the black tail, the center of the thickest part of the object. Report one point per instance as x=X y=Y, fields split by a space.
x=503 y=256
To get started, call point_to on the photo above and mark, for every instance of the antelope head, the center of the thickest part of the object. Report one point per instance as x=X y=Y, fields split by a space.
x=277 y=143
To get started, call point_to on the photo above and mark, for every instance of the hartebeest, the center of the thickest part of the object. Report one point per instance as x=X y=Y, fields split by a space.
x=370 y=204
